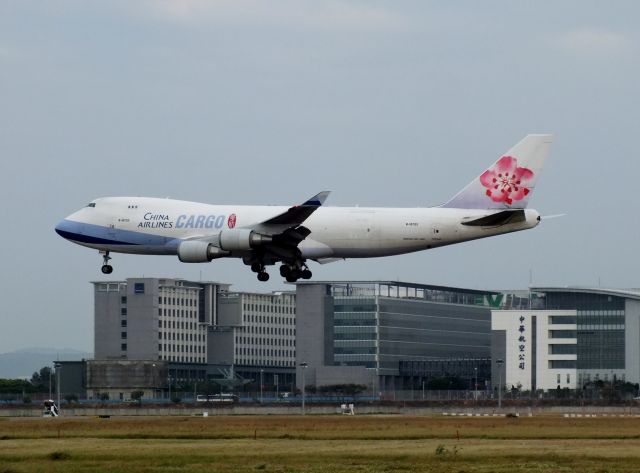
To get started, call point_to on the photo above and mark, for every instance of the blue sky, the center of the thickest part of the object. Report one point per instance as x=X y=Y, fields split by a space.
x=253 y=102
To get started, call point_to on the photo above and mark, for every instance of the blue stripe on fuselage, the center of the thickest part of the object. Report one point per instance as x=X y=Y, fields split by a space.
x=99 y=235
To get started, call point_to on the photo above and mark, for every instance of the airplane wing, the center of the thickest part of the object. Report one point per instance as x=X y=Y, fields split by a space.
x=278 y=236
x=286 y=230
x=292 y=218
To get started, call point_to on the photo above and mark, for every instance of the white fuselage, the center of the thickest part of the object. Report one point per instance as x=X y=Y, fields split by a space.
x=143 y=225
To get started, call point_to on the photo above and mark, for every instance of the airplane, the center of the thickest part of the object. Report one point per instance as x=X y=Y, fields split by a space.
x=493 y=203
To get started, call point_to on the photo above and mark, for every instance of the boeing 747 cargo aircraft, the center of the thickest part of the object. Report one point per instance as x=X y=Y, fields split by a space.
x=492 y=204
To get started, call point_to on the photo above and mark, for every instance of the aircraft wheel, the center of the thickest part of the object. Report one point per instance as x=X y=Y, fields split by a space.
x=306 y=274
x=263 y=276
x=284 y=270
x=107 y=269
x=256 y=267
x=291 y=278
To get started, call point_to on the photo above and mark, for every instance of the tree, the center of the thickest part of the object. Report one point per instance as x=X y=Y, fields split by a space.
x=14 y=386
x=137 y=395
x=40 y=379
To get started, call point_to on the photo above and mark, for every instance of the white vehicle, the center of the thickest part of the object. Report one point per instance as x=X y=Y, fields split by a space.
x=50 y=409
x=492 y=204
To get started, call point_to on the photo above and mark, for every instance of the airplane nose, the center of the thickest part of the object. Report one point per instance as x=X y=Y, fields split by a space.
x=60 y=228
x=64 y=229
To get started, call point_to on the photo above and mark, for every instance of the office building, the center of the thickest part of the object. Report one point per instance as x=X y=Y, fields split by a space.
x=576 y=336
x=201 y=329
x=256 y=333
x=375 y=332
x=154 y=319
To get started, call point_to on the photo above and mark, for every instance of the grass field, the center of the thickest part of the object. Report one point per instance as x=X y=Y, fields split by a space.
x=320 y=444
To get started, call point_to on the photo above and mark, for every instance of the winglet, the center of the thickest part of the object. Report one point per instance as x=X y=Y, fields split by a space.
x=317 y=200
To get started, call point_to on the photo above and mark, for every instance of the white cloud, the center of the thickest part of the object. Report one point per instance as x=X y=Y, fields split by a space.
x=590 y=42
x=332 y=14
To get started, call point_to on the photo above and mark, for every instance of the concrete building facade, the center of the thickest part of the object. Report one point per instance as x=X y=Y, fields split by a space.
x=256 y=333
x=154 y=319
x=538 y=349
x=120 y=379
x=201 y=329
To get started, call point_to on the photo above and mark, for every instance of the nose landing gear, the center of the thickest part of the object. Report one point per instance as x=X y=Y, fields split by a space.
x=106 y=267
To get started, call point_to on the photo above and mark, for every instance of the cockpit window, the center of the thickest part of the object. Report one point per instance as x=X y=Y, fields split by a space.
x=92 y=204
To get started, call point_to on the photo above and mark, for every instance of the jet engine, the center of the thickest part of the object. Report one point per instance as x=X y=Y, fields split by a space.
x=199 y=252
x=241 y=239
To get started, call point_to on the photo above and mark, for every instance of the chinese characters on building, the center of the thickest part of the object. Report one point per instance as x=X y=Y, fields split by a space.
x=521 y=344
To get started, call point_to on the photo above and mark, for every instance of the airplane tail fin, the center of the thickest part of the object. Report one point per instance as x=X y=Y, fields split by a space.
x=510 y=181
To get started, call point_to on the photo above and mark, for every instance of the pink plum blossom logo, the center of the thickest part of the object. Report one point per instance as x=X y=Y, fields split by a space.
x=506 y=182
x=231 y=222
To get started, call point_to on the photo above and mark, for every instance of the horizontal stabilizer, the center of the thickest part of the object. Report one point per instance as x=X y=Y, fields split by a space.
x=498 y=219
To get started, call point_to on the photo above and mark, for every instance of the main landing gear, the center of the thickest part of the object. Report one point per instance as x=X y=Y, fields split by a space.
x=293 y=273
x=106 y=267
x=259 y=268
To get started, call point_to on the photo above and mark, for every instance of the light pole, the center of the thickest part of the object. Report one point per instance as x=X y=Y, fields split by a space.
x=261 y=373
x=50 y=374
x=169 y=379
x=195 y=390
x=475 y=394
x=303 y=365
x=499 y=362
x=423 y=389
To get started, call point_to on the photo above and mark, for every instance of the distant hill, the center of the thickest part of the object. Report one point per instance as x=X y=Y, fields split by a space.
x=24 y=362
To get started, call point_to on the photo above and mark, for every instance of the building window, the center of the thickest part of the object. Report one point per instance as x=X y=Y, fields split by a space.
x=123 y=300
x=123 y=335
x=568 y=378
x=123 y=323
x=138 y=288
x=123 y=311
x=123 y=347
x=563 y=349
x=562 y=364
x=562 y=334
